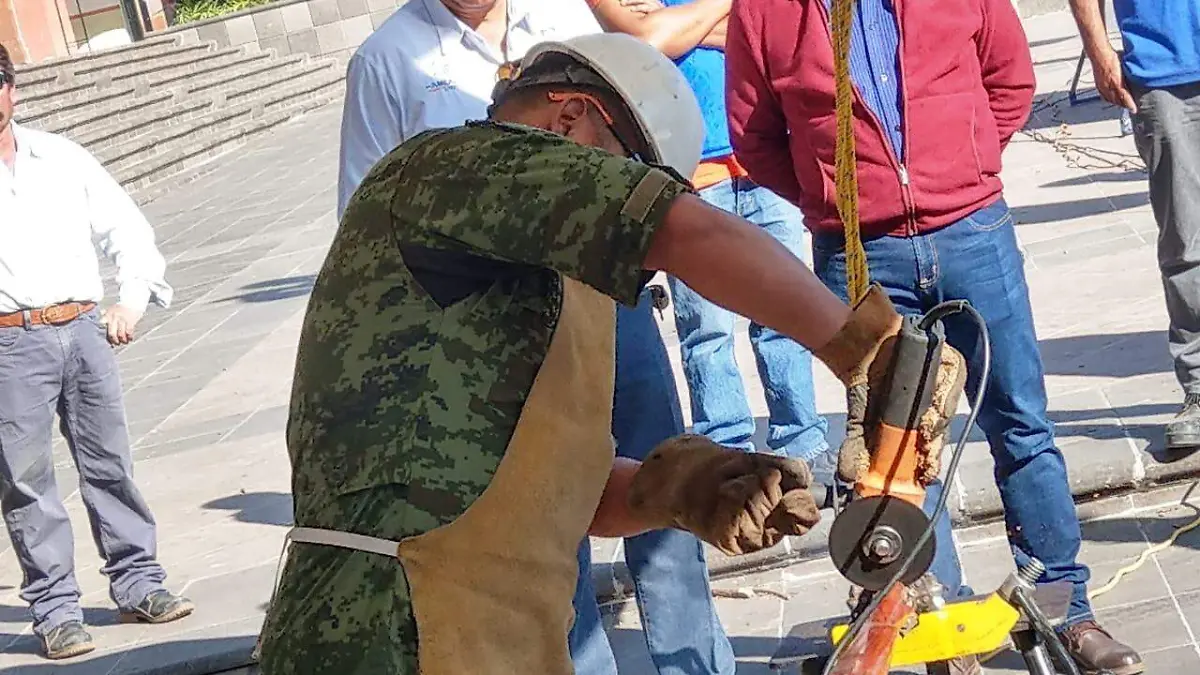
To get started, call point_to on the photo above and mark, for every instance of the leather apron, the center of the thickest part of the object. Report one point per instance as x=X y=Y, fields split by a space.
x=491 y=591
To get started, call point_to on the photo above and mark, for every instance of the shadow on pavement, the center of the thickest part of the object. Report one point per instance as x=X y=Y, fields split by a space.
x=27 y=643
x=11 y=614
x=1079 y=208
x=1099 y=177
x=753 y=653
x=1054 y=108
x=1110 y=355
x=1150 y=529
x=183 y=655
x=275 y=289
x=1052 y=41
x=263 y=508
x=1072 y=59
x=1083 y=424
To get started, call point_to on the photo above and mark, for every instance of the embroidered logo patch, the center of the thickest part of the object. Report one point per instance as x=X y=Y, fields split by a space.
x=439 y=84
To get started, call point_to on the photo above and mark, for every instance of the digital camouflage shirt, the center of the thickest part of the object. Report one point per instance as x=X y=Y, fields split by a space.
x=427 y=325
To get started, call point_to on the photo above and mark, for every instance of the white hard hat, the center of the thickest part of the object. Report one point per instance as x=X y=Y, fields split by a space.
x=658 y=95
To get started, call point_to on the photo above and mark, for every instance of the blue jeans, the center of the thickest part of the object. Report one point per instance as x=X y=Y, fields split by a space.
x=669 y=573
x=719 y=407
x=977 y=259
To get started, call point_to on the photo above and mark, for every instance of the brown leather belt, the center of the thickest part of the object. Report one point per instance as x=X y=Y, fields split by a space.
x=54 y=315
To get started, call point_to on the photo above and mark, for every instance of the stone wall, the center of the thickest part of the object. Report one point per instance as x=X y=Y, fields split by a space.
x=331 y=28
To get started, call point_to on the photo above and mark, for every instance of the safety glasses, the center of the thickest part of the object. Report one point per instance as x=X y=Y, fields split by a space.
x=558 y=97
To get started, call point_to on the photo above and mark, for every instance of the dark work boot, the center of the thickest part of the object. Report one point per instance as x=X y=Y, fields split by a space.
x=1183 y=432
x=1097 y=652
x=65 y=640
x=160 y=606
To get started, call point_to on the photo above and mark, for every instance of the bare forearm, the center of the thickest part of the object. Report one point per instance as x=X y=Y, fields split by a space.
x=1090 y=20
x=613 y=518
x=716 y=36
x=742 y=268
x=672 y=30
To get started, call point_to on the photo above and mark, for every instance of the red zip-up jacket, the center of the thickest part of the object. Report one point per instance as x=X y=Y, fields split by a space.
x=967 y=86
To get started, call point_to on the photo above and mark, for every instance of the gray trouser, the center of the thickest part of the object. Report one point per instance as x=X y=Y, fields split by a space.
x=1167 y=132
x=70 y=370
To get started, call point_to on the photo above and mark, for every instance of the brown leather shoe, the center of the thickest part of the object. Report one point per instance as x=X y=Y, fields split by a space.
x=1097 y=652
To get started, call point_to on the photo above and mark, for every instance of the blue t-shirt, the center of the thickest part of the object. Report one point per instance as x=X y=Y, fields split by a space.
x=704 y=69
x=1161 y=40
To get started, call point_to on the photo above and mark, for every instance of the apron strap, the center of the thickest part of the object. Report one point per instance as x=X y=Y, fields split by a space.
x=356 y=542
x=312 y=535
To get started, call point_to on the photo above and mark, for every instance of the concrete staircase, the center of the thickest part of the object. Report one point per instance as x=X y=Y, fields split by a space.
x=157 y=111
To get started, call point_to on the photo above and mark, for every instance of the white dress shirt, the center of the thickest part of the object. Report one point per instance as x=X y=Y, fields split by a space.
x=56 y=198
x=426 y=69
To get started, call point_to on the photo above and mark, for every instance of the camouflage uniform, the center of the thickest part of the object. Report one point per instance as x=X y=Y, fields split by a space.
x=411 y=380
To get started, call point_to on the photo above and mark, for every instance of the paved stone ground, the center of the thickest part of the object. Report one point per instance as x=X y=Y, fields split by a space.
x=207 y=386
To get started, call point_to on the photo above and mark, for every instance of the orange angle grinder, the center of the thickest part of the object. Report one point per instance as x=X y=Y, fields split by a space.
x=882 y=540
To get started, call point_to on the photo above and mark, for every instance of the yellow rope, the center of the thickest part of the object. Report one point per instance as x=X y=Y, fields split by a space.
x=844 y=164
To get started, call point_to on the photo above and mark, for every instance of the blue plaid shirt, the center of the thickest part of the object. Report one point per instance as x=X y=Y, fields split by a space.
x=875 y=65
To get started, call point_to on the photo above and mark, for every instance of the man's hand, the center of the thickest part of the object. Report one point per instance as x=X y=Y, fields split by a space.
x=1110 y=80
x=642 y=6
x=860 y=355
x=738 y=501
x=120 y=322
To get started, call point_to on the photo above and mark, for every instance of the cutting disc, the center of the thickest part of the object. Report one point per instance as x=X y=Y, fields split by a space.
x=855 y=525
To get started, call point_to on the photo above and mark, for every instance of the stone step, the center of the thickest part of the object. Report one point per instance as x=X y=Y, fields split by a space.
x=124 y=96
x=308 y=100
x=167 y=172
x=182 y=55
x=266 y=68
x=154 y=158
x=156 y=112
x=149 y=48
x=39 y=115
x=88 y=118
x=162 y=113
x=36 y=80
x=145 y=131
x=232 y=64
x=85 y=83
x=166 y=90
x=272 y=81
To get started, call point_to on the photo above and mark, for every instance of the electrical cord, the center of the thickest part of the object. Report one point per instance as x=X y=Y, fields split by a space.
x=931 y=317
x=1141 y=559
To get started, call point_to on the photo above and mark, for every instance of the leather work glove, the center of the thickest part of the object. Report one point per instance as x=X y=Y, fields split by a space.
x=860 y=355
x=931 y=430
x=737 y=501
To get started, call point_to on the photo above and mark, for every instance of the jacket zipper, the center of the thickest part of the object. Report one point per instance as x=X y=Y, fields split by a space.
x=910 y=225
x=910 y=202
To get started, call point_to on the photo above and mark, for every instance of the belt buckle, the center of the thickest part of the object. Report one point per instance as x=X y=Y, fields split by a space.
x=56 y=314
